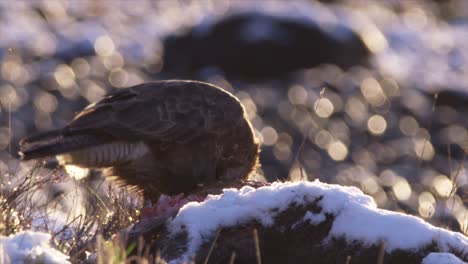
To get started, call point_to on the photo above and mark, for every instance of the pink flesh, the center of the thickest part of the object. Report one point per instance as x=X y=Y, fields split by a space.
x=168 y=206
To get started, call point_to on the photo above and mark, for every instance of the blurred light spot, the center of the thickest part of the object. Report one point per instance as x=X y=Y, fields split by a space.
x=80 y=67
x=388 y=177
x=269 y=136
x=134 y=78
x=443 y=185
x=356 y=109
x=71 y=93
x=457 y=134
x=426 y=209
x=64 y=76
x=364 y=158
x=402 y=189
x=426 y=204
x=113 y=61
x=118 y=78
x=5 y=137
x=336 y=101
x=257 y=121
x=153 y=64
x=337 y=150
x=427 y=177
x=258 y=135
x=44 y=45
x=408 y=125
x=374 y=39
x=455 y=204
x=297 y=95
x=42 y=121
x=416 y=102
x=104 y=46
x=426 y=197
x=415 y=18
x=323 y=139
x=282 y=151
x=97 y=67
x=370 y=185
x=54 y=10
x=339 y=130
x=248 y=104
x=372 y=91
x=380 y=198
x=323 y=107
x=285 y=138
x=390 y=87
x=45 y=102
x=297 y=174
x=9 y=99
x=376 y=125
x=462 y=216
x=76 y=172
x=14 y=71
x=423 y=148
x=301 y=118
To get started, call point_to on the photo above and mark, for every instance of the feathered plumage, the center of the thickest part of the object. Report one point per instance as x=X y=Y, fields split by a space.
x=161 y=137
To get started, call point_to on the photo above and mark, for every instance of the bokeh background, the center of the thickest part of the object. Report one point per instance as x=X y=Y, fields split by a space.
x=366 y=93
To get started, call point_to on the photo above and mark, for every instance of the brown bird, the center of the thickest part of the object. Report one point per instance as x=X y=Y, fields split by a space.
x=165 y=137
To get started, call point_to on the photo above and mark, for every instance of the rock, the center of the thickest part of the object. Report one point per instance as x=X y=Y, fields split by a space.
x=252 y=44
x=295 y=223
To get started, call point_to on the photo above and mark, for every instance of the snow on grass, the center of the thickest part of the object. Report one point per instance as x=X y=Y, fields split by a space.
x=441 y=258
x=356 y=216
x=29 y=247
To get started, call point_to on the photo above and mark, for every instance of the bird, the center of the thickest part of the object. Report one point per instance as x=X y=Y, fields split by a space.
x=162 y=137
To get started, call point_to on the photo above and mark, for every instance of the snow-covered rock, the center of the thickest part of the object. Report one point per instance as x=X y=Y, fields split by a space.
x=29 y=247
x=337 y=218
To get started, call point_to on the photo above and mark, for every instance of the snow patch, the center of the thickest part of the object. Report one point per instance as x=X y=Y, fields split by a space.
x=29 y=247
x=441 y=258
x=356 y=216
x=314 y=219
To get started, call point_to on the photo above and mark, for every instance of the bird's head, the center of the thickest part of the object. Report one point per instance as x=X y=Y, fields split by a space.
x=240 y=156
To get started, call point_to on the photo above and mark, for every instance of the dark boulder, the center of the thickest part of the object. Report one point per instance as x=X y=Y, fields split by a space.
x=258 y=45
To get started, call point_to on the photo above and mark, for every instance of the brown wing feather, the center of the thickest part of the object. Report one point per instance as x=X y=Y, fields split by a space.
x=164 y=111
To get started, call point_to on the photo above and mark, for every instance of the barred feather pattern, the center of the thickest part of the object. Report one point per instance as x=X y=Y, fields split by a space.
x=104 y=155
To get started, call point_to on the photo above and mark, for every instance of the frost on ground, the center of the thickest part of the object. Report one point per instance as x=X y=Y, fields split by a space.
x=349 y=217
x=29 y=247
